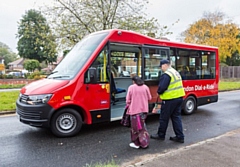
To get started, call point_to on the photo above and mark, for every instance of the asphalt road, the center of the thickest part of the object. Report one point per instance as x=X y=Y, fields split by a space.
x=22 y=145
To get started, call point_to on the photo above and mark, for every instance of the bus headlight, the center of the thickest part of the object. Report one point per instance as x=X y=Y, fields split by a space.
x=38 y=99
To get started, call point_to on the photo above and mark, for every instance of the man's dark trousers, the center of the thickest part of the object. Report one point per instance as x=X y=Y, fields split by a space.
x=171 y=109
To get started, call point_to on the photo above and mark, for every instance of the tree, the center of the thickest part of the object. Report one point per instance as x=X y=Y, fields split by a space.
x=7 y=54
x=72 y=20
x=234 y=60
x=35 y=38
x=31 y=64
x=3 y=45
x=216 y=30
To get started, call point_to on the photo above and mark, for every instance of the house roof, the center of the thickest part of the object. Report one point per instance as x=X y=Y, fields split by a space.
x=17 y=62
x=21 y=60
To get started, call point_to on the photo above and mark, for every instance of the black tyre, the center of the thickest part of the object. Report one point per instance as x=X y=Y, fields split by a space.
x=189 y=105
x=66 y=122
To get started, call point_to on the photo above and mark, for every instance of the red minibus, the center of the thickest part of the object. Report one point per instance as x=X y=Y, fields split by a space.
x=90 y=84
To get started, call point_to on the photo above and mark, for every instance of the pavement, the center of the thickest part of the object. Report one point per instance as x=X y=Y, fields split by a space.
x=221 y=151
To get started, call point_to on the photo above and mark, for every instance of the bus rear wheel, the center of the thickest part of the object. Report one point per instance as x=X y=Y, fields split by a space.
x=66 y=122
x=189 y=105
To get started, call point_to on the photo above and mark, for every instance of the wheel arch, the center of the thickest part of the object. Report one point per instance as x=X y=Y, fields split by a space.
x=184 y=102
x=193 y=95
x=79 y=109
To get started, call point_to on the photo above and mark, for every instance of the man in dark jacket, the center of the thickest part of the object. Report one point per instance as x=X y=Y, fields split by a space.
x=171 y=92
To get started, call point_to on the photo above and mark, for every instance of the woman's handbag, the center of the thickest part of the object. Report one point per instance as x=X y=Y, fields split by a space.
x=126 y=118
x=157 y=107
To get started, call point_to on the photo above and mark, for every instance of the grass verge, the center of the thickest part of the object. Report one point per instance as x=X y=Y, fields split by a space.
x=8 y=100
x=228 y=85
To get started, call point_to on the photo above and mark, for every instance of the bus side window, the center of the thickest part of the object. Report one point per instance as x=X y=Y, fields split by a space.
x=98 y=69
x=152 y=58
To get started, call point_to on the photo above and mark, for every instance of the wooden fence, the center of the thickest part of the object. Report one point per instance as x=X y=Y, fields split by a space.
x=230 y=72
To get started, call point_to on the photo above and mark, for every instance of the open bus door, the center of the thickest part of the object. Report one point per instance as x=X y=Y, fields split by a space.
x=125 y=62
x=98 y=89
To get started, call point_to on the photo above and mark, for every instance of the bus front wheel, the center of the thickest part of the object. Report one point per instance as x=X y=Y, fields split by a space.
x=189 y=105
x=66 y=122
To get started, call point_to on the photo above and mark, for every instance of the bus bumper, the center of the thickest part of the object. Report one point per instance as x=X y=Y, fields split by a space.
x=34 y=115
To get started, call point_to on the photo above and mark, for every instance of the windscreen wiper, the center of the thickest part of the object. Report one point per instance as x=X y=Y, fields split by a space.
x=53 y=72
x=60 y=76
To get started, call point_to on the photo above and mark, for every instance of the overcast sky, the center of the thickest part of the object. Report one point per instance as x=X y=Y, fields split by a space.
x=166 y=11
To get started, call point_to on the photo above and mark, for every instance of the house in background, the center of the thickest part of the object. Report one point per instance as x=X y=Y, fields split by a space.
x=16 y=65
x=52 y=66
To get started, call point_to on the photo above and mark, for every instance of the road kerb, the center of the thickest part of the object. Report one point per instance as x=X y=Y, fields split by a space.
x=173 y=152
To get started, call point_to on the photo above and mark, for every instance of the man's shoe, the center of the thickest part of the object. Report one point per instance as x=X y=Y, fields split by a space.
x=156 y=136
x=177 y=139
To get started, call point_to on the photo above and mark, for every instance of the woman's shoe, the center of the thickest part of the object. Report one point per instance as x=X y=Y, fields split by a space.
x=133 y=145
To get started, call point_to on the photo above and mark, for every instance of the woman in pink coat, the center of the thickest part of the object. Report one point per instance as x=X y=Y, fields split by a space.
x=137 y=99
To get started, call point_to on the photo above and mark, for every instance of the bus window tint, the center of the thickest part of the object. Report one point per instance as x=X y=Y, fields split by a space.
x=194 y=64
x=152 y=59
x=208 y=65
x=124 y=63
x=125 y=60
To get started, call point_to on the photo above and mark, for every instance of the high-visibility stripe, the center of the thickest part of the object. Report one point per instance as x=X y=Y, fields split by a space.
x=175 y=80
x=175 y=88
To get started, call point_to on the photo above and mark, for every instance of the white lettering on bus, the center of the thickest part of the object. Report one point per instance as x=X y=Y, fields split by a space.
x=189 y=88
x=210 y=86
x=199 y=87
